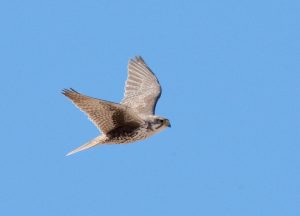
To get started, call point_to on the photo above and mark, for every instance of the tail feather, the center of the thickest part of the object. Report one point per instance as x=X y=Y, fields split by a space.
x=92 y=143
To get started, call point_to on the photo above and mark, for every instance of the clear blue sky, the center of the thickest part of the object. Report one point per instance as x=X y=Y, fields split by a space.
x=230 y=72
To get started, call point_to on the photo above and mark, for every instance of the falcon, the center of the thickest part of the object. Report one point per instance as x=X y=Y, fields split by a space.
x=132 y=119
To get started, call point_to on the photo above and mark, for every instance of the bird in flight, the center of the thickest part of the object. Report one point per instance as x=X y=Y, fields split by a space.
x=131 y=120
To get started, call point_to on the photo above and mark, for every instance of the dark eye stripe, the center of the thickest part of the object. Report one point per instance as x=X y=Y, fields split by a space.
x=159 y=126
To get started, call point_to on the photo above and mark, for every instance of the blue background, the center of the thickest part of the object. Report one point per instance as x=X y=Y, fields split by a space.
x=230 y=74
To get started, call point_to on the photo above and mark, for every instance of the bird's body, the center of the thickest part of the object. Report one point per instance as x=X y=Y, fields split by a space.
x=131 y=120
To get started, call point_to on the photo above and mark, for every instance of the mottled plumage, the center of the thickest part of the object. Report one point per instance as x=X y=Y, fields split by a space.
x=131 y=120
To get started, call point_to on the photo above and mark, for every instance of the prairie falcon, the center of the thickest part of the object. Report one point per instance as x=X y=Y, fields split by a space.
x=131 y=120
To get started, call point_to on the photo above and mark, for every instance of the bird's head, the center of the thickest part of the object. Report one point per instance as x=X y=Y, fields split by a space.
x=159 y=123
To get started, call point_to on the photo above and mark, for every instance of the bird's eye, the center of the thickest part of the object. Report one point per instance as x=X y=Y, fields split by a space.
x=158 y=121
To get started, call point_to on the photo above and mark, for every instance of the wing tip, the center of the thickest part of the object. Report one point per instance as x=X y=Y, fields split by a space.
x=68 y=91
x=137 y=59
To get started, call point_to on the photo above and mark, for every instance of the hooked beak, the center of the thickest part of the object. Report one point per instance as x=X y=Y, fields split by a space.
x=167 y=123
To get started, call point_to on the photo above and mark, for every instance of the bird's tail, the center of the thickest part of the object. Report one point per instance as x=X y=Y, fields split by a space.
x=98 y=140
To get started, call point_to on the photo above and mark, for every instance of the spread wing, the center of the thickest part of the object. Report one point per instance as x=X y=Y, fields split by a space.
x=142 y=89
x=105 y=115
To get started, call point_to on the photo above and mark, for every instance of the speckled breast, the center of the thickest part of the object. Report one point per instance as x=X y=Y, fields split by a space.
x=126 y=134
